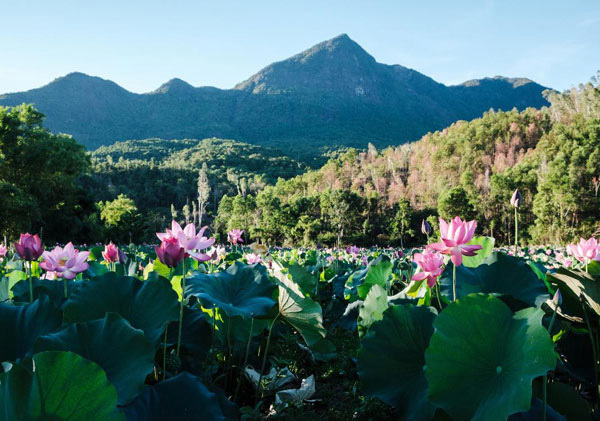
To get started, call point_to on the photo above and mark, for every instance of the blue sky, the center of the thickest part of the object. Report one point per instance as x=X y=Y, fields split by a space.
x=142 y=44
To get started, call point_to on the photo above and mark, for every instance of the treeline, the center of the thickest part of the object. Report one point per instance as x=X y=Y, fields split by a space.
x=470 y=169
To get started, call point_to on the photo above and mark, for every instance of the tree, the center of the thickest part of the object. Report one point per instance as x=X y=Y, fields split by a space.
x=402 y=220
x=120 y=218
x=203 y=191
x=43 y=169
x=455 y=202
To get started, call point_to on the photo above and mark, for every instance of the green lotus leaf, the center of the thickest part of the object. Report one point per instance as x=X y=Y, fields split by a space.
x=241 y=290
x=195 y=333
x=301 y=312
x=303 y=277
x=378 y=274
x=146 y=305
x=123 y=352
x=391 y=359
x=64 y=386
x=372 y=308
x=482 y=359
x=536 y=413
x=183 y=397
x=380 y=269
x=487 y=247
x=568 y=402
x=573 y=285
x=500 y=274
x=22 y=325
x=594 y=268
x=54 y=289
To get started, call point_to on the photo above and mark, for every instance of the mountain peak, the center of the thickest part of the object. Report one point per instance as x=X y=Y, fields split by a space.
x=336 y=64
x=174 y=86
x=515 y=82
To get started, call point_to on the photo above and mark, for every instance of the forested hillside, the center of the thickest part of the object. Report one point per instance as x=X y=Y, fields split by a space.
x=471 y=169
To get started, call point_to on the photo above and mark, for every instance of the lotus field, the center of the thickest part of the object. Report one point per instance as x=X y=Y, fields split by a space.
x=189 y=329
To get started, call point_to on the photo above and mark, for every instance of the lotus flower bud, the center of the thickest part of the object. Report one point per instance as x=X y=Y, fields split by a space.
x=557 y=299
x=122 y=257
x=110 y=253
x=29 y=247
x=516 y=199
x=426 y=227
x=170 y=252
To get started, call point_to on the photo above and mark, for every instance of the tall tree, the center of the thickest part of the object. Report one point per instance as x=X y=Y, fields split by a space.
x=203 y=191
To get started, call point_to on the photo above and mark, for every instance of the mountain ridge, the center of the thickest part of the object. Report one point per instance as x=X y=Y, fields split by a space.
x=334 y=93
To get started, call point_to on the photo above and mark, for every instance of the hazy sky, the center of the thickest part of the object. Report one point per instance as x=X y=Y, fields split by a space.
x=142 y=44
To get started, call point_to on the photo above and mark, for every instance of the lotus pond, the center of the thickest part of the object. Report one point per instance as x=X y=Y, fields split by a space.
x=257 y=333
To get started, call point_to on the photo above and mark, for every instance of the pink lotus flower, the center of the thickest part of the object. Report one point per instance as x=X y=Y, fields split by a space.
x=170 y=252
x=585 y=251
x=235 y=236
x=29 y=247
x=187 y=236
x=3 y=251
x=66 y=262
x=111 y=253
x=455 y=236
x=253 y=259
x=431 y=264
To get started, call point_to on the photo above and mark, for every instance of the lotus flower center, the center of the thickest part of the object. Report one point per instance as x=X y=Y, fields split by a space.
x=498 y=369
x=63 y=261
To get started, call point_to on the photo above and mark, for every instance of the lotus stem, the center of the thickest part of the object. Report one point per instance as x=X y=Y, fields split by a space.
x=229 y=352
x=595 y=355
x=28 y=270
x=516 y=230
x=165 y=352
x=65 y=286
x=545 y=384
x=237 y=388
x=453 y=282
x=264 y=361
x=181 y=307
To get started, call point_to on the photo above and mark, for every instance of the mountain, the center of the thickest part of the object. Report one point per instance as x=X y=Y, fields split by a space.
x=332 y=94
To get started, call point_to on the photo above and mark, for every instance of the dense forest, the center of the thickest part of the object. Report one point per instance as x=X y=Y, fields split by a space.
x=367 y=197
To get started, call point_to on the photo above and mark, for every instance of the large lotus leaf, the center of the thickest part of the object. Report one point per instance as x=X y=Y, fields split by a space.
x=358 y=278
x=372 y=308
x=241 y=290
x=378 y=274
x=146 y=305
x=21 y=326
x=7 y=283
x=195 y=333
x=303 y=277
x=573 y=285
x=304 y=314
x=482 y=359
x=487 y=247
x=391 y=359
x=54 y=289
x=122 y=351
x=183 y=397
x=500 y=274
x=64 y=386
x=535 y=413
x=565 y=400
